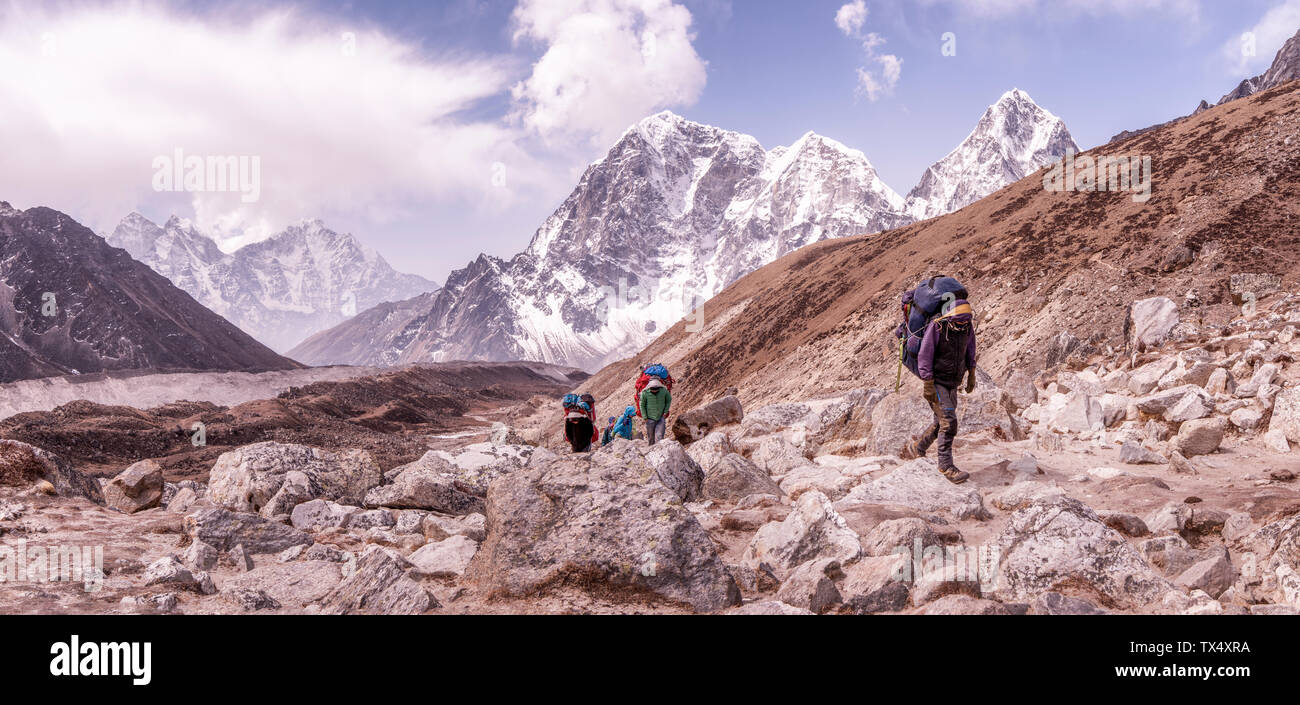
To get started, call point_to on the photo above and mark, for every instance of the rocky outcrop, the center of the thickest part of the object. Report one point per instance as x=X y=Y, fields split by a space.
x=223 y=530
x=600 y=522
x=813 y=530
x=136 y=488
x=1062 y=545
x=698 y=422
x=918 y=484
x=735 y=477
x=428 y=483
x=272 y=478
x=381 y=584
x=23 y=465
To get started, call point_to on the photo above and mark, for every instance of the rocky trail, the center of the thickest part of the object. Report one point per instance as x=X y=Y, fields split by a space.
x=1154 y=480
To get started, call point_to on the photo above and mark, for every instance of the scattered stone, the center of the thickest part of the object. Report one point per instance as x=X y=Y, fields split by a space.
x=319 y=514
x=252 y=600
x=428 y=483
x=1056 y=603
x=1171 y=555
x=199 y=556
x=877 y=584
x=1171 y=518
x=24 y=465
x=1213 y=575
x=1286 y=417
x=770 y=607
x=1134 y=454
x=708 y=451
x=676 y=470
x=379 y=585
x=1199 y=436
x=444 y=559
x=1126 y=524
x=603 y=522
x=170 y=572
x=698 y=422
x=813 y=530
x=918 y=484
x=1150 y=322
x=812 y=586
x=1064 y=546
x=239 y=558
x=184 y=499
x=893 y=535
x=136 y=488
x=248 y=478
x=225 y=529
x=1275 y=440
x=735 y=477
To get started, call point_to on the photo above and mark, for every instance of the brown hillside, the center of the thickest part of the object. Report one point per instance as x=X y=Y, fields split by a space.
x=1225 y=198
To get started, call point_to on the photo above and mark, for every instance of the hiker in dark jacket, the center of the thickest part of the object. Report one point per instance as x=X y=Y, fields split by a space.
x=580 y=428
x=947 y=355
x=655 y=400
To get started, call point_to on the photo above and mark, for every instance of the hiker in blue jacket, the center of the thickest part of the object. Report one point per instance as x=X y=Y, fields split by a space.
x=622 y=428
x=947 y=355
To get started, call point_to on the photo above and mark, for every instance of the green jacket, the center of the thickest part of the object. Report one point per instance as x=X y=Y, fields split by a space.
x=655 y=405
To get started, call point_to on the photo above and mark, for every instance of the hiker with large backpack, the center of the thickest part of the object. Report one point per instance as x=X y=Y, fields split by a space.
x=653 y=399
x=937 y=343
x=579 y=423
x=621 y=427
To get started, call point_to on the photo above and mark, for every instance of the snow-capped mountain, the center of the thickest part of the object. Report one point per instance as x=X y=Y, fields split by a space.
x=73 y=304
x=672 y=214
x=1013 y=139
x=280 y=290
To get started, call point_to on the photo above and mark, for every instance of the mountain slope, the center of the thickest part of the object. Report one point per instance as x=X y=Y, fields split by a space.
x=674 y=212
x=110 y=312
x=1285 y=68
x=1013 y=138
x=281 y=290
x=1226 y=201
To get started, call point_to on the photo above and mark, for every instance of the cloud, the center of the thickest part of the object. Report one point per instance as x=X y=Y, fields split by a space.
x=851 y=17
x=1189 y=9
x=343 y=119
x=880 y=80
x=606 y=64
x=1269 y=34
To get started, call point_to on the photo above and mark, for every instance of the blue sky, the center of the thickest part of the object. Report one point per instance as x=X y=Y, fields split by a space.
x=441 y=134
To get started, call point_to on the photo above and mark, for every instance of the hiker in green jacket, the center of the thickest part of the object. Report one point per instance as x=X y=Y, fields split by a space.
x=655 y=400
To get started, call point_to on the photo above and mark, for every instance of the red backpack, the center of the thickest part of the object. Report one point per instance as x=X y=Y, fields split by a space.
x=651 y=371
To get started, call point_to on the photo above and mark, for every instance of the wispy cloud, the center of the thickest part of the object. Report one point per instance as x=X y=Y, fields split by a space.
x=606 y=64
x=341 y=117
x=881 y=72
x=1252 y=51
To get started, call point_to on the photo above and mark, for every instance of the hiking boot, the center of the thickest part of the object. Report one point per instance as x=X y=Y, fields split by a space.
x=910 y=451
x=954 y=475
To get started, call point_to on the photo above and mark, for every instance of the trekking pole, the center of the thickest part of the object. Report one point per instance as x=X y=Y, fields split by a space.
x=898 y=384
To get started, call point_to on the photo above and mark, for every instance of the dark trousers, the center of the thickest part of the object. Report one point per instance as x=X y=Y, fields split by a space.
x=579 y=432
x=944 y=428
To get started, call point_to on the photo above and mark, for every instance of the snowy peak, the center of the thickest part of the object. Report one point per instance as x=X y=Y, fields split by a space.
x=280 y=290
x=1014 y=137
